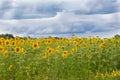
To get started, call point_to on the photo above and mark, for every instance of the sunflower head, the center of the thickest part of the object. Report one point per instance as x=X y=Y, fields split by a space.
x=49 y=41
x=7 y=42
x=35 y=45
x=23 y=51
x=17 y=49
x=10 y=67
x=1 y=49
x=6 y=53
x=44 y=55
x=65 y=54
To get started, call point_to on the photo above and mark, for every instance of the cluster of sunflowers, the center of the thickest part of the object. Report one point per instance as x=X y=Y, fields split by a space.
x=95 y=52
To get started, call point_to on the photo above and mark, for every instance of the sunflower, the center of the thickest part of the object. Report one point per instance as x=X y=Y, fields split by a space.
x=23 y=51
x=7 y=42
x=72 y=50
x=44 y=55
x=85 y=45
x=1 y=42
x=1 y=49
x=6 y=53
x=17 y=49
x=65 y=54
x=22 y=41
x=35 y=45
x=17 y=38
x=10 y=67
x=57 y=48
x=49 y=41
x=50 y=51
x=13 y=43
x=101 y=45
x=47 y=48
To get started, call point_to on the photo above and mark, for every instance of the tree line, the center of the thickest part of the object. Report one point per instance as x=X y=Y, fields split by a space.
x=11 y=36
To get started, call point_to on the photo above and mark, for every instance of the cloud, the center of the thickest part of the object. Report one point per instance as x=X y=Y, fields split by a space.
x=99 y=7
x=19 y=9
x=29 y=9
x=60 y=17
x=61 y=24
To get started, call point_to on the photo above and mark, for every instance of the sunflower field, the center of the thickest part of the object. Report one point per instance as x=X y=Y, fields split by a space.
x=60 y=59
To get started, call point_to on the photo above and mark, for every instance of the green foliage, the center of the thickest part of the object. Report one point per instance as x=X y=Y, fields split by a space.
x=117 y=36
x=87 y=59
x=7 y=36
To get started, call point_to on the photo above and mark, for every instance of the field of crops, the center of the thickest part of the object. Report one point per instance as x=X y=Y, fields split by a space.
x=60 y=59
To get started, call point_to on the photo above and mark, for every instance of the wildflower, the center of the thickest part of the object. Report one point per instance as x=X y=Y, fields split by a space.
x=65 y=54
x=10 y=67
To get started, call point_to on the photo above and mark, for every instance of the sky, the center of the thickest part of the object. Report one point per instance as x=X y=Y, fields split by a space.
x=60 y=18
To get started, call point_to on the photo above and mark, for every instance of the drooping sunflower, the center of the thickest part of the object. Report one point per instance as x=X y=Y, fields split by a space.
x=72 y=50
x=57 y=49
x=10 y=67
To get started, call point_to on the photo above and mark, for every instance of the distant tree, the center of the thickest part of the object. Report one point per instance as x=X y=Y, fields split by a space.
x=117 y=36
x=73 y=35
x=7 y=36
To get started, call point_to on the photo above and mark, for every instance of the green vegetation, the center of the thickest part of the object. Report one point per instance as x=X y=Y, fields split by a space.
x=60 y=59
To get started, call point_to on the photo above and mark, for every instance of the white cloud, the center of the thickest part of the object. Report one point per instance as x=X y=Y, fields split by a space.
x=20 y=9
x=64 y=22
x=58 y=17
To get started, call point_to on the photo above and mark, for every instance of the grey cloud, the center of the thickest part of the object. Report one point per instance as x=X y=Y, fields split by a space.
x=99 y=7
x=28 y=10
x=52 y=19
x=42 y=9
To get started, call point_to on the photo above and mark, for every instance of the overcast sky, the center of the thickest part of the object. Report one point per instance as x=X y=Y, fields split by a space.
x=41 y=18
